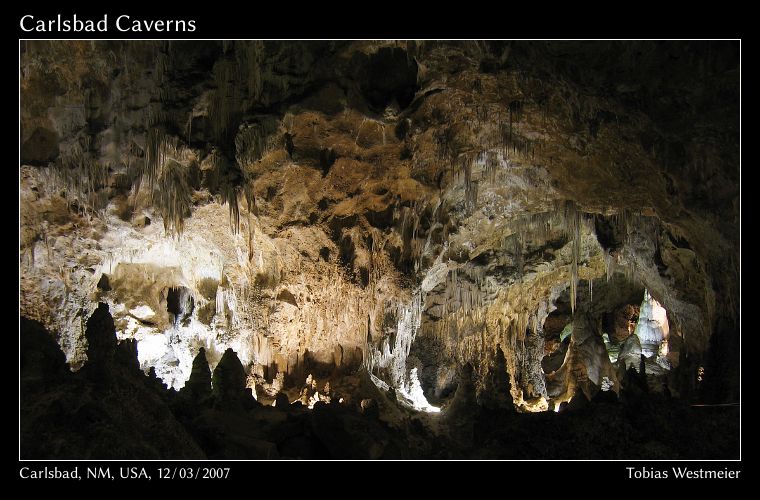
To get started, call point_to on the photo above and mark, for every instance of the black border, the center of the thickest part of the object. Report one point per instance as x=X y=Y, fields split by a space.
x=407 y=20
x=365 y=20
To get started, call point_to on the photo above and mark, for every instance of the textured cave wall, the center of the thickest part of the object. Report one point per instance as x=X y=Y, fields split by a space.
x=392 y=204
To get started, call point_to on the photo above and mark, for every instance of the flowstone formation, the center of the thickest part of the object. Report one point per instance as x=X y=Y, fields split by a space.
x=400 y=210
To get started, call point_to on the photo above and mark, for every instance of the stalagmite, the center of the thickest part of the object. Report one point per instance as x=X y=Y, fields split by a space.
x=220 y=302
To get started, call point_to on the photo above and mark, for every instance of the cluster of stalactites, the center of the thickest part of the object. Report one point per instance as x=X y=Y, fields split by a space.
x=491 y=160
x=531 y=226
x=251 y=144
x=79 y=176
x=539 y=226
x=173 y=197
x=460 y=162
x=164 y=163
x=380 y=265
x=408 y=222
x=238 y=75
x=626 y=222
x=172 y=170
x=497 y=124
x=521 y=342
x=464 y=294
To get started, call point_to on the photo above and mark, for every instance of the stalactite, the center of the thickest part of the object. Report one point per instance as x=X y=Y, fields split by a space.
x=154 y=140
x=623 y=223
x=490 y=161
x=232 y=201
x=609 y=266
x=250 y=234
x=572 y=227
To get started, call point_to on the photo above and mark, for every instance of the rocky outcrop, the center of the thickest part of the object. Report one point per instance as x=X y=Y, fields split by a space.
x=108 y=411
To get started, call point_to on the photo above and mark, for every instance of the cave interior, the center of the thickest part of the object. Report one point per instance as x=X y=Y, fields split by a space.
x=365 y=250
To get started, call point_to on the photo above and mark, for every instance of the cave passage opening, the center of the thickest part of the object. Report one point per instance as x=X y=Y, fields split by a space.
x=623 y=327
x=180 y=304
